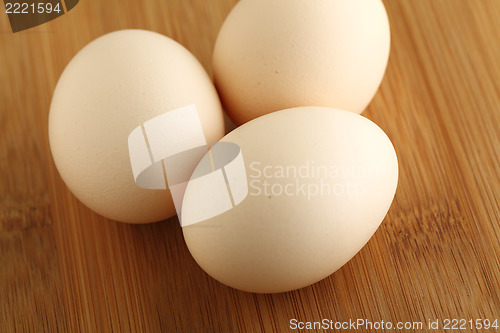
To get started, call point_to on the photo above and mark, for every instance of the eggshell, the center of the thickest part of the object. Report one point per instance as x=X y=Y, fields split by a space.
x=272 y=55
x=299 y=232
x=113 y=85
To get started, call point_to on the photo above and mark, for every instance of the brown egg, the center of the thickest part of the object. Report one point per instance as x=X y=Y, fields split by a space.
x=273 y=55
x=320 y=181
x=111 y=87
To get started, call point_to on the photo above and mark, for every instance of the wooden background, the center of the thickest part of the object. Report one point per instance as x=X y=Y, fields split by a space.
x=436 y=255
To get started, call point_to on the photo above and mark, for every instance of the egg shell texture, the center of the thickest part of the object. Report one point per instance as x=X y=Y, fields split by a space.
x=293 y=235
x=273 y=55
x=114 y=84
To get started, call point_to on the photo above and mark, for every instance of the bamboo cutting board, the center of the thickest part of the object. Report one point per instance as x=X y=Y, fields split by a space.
x=436 y=256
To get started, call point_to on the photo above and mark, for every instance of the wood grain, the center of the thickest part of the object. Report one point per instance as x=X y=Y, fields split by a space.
x=436 y=255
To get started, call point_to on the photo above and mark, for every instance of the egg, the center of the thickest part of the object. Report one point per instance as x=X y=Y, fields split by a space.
x=320 y=182
x=111 y=87
x=273 y=55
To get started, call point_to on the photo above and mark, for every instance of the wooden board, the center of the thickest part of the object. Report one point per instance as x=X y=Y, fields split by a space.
x=436 y=255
